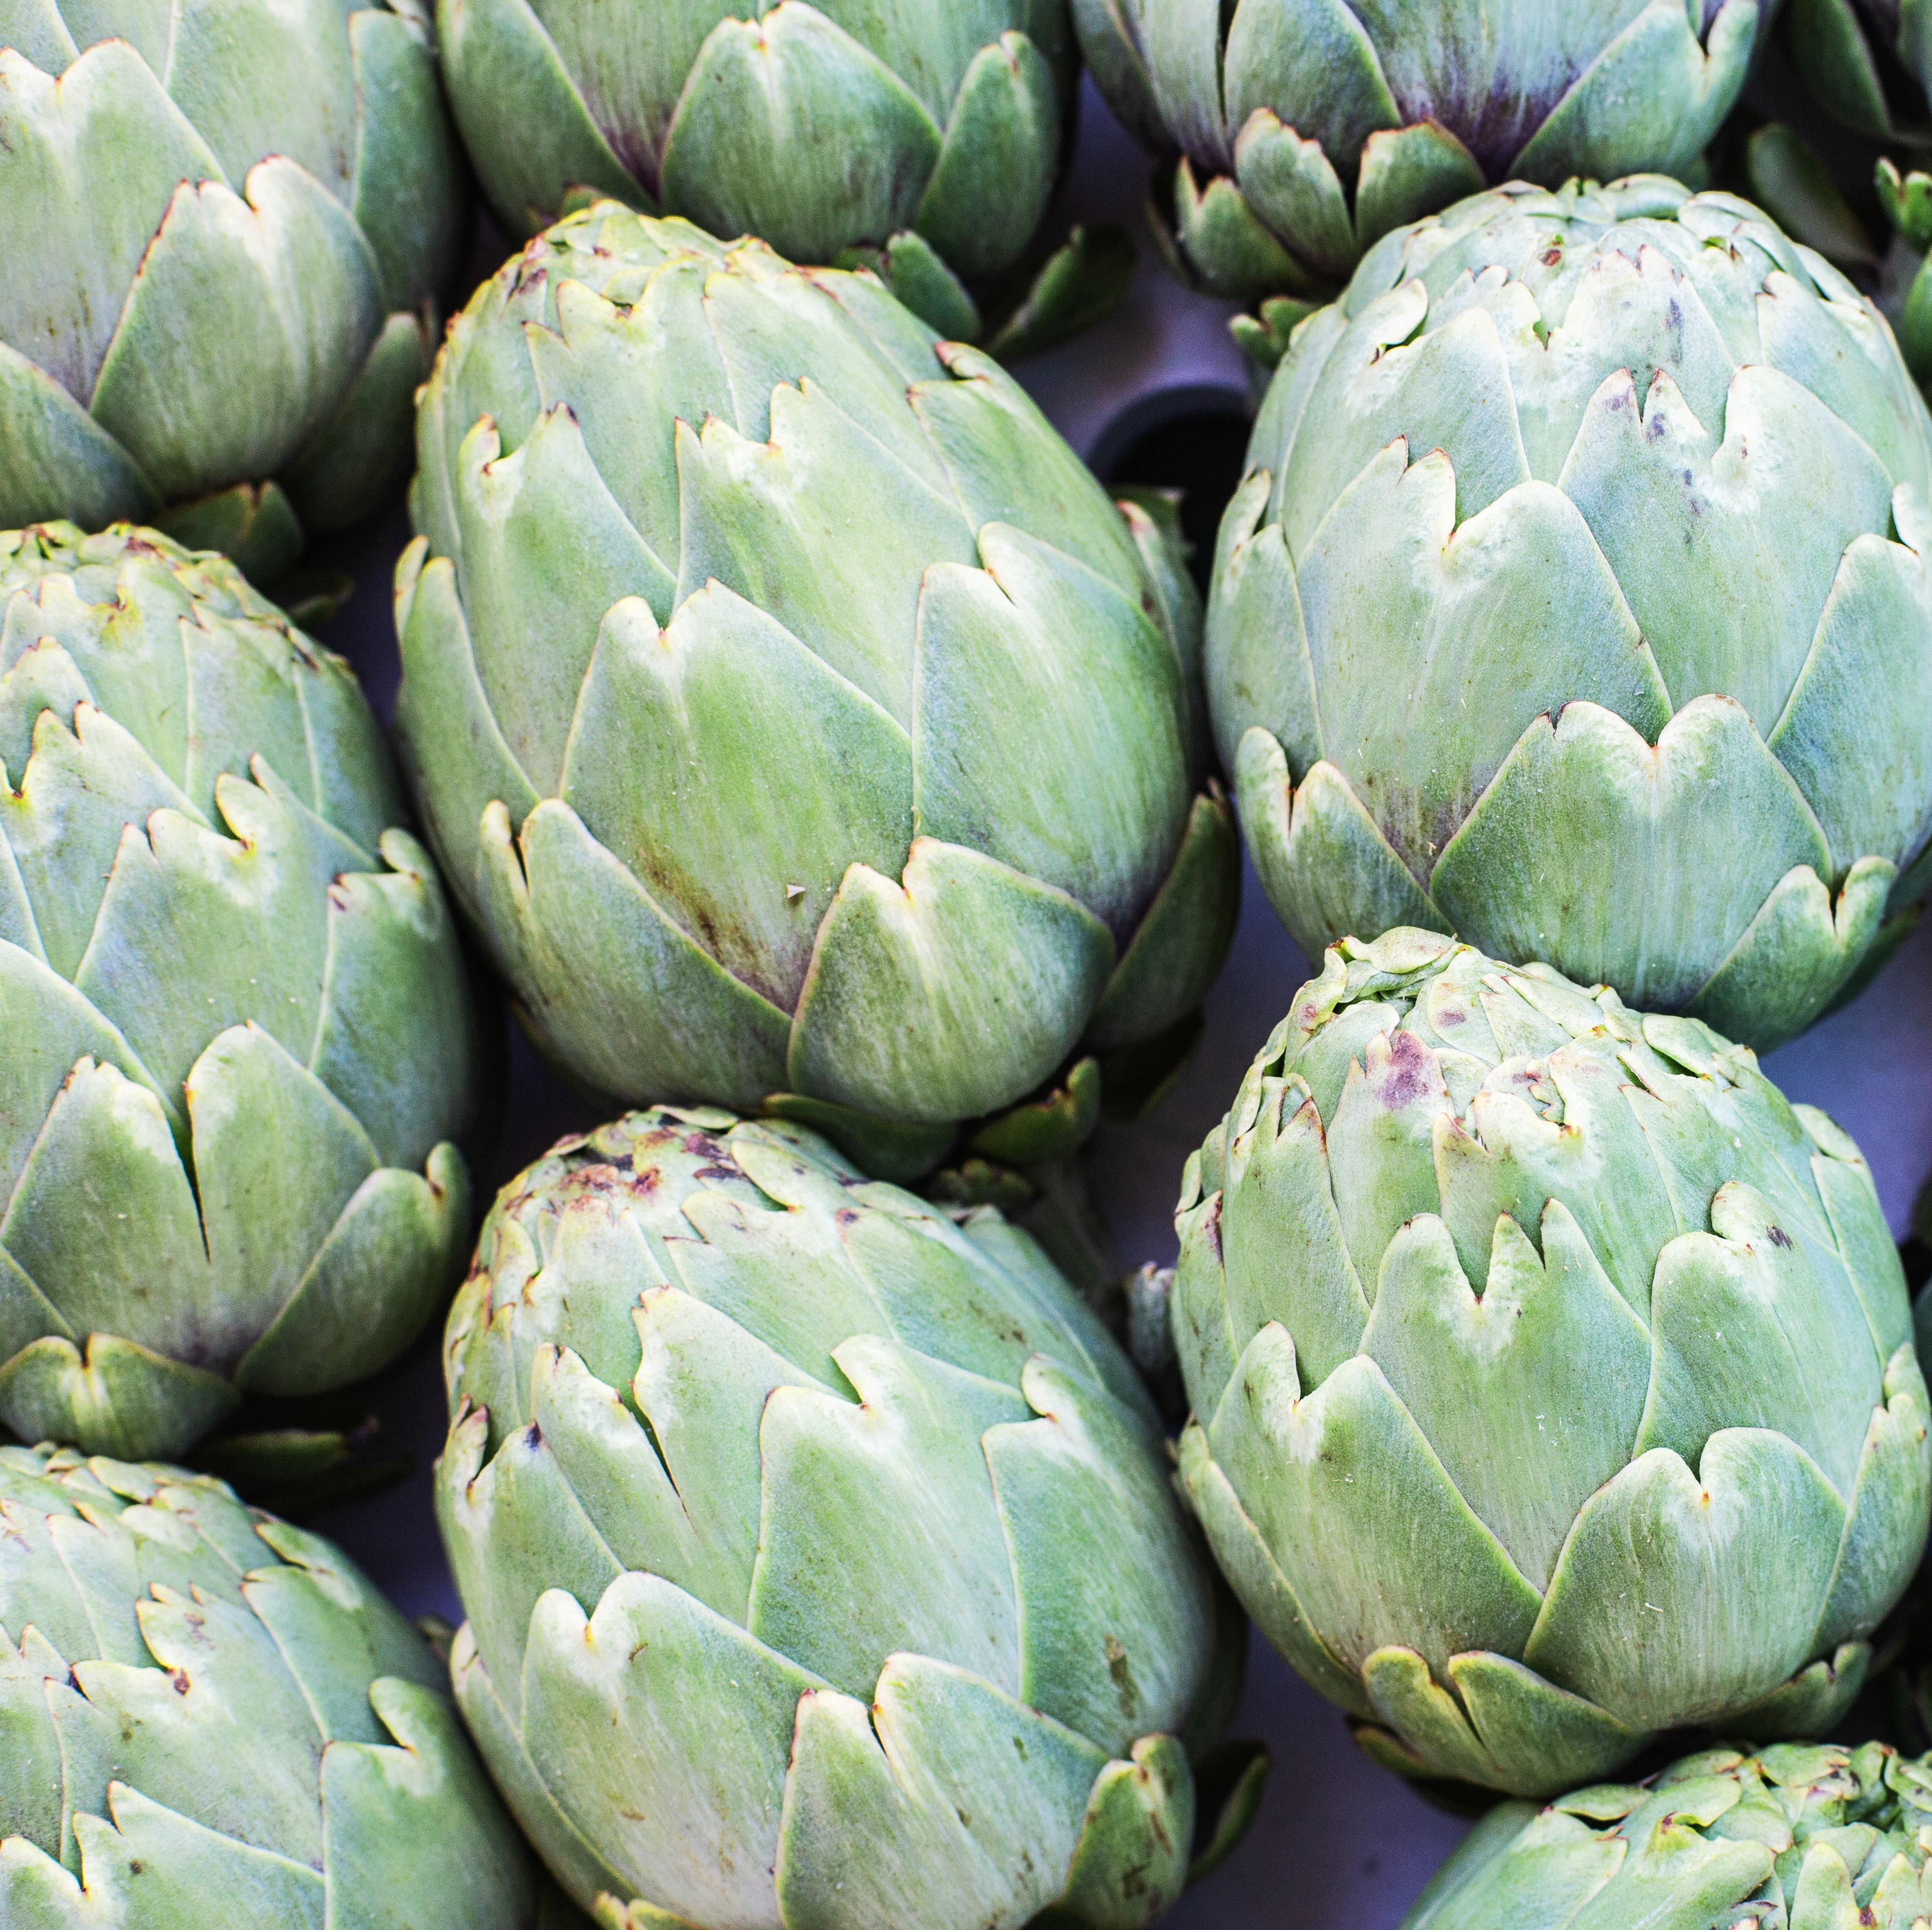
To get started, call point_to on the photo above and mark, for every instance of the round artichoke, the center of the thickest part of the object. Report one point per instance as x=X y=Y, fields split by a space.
x=927 y=134
x=239 y=1033
x=1552 y=1378
x=793 y=712
x=1305 y=130
x=223 y=228
x=1802 y=1836
x=210 y=1718
x=1575 y=601
x=819 y=1551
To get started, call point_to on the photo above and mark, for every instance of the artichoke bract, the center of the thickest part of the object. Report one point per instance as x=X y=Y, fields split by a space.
x=792 y=710
x=1552 y=1377
x=1802 y=1836
x=819 y=1551
x=1305 y=130
x=239 y=1034
x=1575 y=601
x=223 y=227
x=213 y=1721
x=926 y=133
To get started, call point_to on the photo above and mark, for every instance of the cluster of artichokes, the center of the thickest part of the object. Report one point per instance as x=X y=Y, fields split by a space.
x=848 y=794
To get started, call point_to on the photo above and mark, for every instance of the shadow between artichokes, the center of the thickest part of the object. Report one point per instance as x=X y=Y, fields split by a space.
x=1552 y=1377
x=211 y=1721
x=792 y=711
x=1797 y=1837
x=1575 y=601
x=225 y=227
x=820 y=1554
x=1300 y=132
x=241 y=1040
x=924 y=136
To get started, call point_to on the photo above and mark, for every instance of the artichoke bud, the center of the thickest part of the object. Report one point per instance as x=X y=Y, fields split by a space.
x=241 y=1044
x=1575 y=600
x=798 y=718
x=1559 y=1320
x=923 y=138
x=1293 y=135
x=820 y=1553
x=246 y=214
x=1800 y=1836
x=212 y=1717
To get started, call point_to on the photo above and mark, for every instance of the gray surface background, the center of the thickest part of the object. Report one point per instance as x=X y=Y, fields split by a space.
x=1338 y=1843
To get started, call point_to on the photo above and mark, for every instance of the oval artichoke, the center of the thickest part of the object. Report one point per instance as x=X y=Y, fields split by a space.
x=1575 y=601
x=1552 y=1378
x=1802 y=1836
x=819 y=1552
x=211 y=1718
x=223 y=226
x=927 y=134
x=237 y=1019
x=1302 y=131
x=792 y=710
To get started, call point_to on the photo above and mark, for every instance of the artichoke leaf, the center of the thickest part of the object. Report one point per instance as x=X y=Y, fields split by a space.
x=1651 y=1613
x=922 y=1782
x=994 y=171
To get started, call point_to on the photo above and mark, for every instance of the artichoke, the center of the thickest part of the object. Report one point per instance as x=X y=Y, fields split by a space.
x=239 y=1033
x=224 y=226
x=1552 y=1377
x=1799 y=1837
x=819 y=1554
x=1302 y=131
x=1575 y=601
x=926 y=135
x=793 y=712
x=211 y=1720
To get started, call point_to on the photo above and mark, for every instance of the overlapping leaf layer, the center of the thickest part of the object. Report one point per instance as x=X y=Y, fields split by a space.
x=792 y=709
x=1576 y=601
x=240 y=1037
x=933 y=126
x=210 y=1721
x=1800 y=1837
x=1306 y=129
x=819 y=1552
x=1552 y=1377
x=224 y=226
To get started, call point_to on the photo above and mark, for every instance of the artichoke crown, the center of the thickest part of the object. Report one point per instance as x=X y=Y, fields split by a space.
x=1576 y=600
x=819 y=127
x=211 y=1718
x=769 y=663
x=1307 y=129
x=748 y=1445
x=1801 y=1836
x=1564 y=1325
x=220 y=220
x=236 y=1012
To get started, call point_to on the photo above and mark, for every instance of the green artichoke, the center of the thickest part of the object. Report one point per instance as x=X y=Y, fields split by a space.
x=1799 y=1837
x=1552 y=1378
x=1575 y=601
x=820 y=1553
x=239 y=1032
x=926 y=135
x=211 y=1720
x=1302 y=131
x=223 y=226
x=792 y=711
